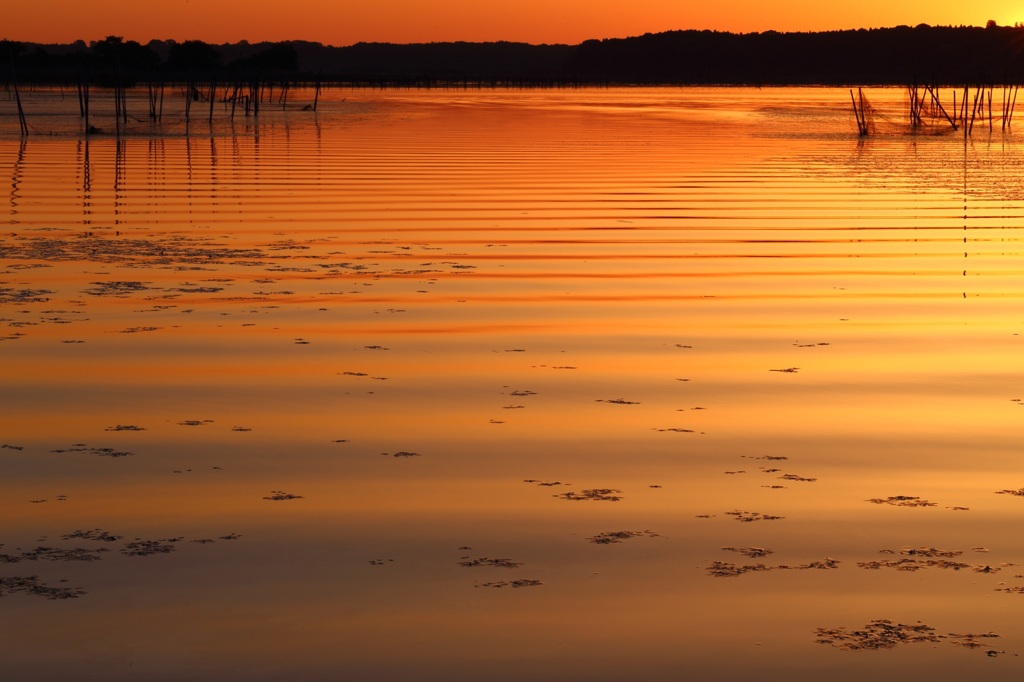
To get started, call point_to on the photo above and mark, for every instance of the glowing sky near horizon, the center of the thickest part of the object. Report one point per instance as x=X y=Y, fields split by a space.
x=411 y=21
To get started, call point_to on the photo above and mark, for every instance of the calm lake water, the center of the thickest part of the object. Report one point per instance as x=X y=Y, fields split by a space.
x=603 y=384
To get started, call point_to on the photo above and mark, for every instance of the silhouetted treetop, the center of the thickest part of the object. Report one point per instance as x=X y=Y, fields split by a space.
x=193 y=56
x=898 y=55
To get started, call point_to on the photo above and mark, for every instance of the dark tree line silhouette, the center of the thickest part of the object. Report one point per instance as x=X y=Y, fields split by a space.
x=900 y=55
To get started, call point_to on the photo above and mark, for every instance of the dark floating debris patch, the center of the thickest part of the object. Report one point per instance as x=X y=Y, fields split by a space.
x=886 y=634
x=115 y=288
x=923 y=551
x=32 y=585
x=752 y=552
x=750 y=517
x=902 y=501
x=544 y=483
x=401 y=454
x=7 y=446
x=522 y=582
x=522 y=393
x=54 y=554
x=1016 y=589
x=787 y=370
x=277 y=495
x=725 y=569
x=140 y=547
x=915 y=564
x=124 y=427
x=241 y=428
x=617 y=401
x=194 y=422
x=102 y=452
x=485 y=561
x=617 y=536
x=794 y=477
x=136 y=330
x=96 y=535
x=674 y=430
x=1018 y=493
x=929 y=562
x=595 y=494
x=9 y=295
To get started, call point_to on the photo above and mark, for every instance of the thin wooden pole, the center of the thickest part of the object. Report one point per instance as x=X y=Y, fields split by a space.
x=856 y=113
x=935 y=98
x=213 y=97
x=1013 y=105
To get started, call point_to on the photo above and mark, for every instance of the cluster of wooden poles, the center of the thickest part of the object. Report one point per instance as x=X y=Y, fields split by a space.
x=925 y=105
x=246 y=96
x=925 y=101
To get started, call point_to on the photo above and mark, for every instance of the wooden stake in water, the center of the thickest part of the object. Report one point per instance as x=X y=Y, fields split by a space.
x=938 y=104
x=1013 y=105
x=213 y=97
x=22 y=123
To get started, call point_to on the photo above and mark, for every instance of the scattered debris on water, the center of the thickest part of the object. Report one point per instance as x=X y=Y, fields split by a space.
x=596 y=494
x=278 y=495
x=102 y=452
x=485 y=561
x=752 y=552
x=887 y=634
x=32 y=585
x=749 y=517
x=902 y=501
x=617 y=536
x=1018 y=493
x=522 y=582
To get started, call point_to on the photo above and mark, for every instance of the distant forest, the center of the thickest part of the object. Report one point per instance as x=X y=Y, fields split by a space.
x=899 y=56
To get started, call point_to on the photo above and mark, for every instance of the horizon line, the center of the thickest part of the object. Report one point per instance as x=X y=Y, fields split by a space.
x=90 y=42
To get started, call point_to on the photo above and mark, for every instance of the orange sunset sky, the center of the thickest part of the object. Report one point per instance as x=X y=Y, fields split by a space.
x=343 y=22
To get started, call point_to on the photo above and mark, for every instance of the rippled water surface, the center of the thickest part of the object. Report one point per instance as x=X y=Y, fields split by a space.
x=595 y=384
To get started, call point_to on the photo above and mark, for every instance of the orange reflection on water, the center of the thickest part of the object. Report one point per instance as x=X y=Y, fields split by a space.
x=453 y=326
